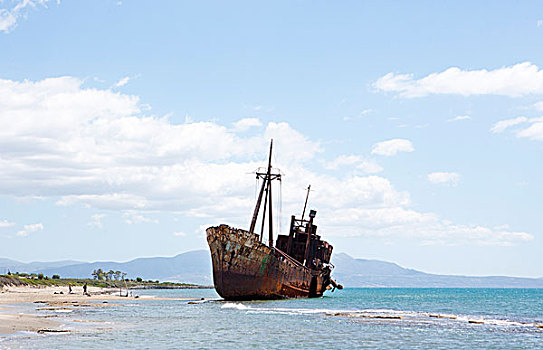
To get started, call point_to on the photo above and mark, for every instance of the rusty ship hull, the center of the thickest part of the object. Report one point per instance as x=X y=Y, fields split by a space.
x=246 y=269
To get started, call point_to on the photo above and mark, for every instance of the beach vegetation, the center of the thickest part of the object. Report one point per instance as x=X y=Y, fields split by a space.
x=40 y=276
x=101 y=275
x=98 y=274
x=55 y=277
x=28 y=280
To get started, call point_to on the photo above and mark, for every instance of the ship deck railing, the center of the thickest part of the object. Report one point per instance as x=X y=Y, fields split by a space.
x=290 y=259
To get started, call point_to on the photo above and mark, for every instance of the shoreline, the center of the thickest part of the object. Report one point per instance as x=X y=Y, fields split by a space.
x=20 y=306
x=171 y=287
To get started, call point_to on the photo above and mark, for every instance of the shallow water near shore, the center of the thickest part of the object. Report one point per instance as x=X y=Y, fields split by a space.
x=386 y=318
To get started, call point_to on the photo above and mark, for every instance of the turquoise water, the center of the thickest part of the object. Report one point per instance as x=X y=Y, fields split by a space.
x=388 y=318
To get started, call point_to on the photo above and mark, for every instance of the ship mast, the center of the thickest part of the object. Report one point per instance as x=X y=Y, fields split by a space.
x=306 y=198
x=266 y=187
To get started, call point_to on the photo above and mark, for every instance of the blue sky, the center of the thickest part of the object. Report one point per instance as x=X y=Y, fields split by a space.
x=129 y=127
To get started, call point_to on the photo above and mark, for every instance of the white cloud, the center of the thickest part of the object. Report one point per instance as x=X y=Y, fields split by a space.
x=445 y=178
x=342 y=160
x=6 y=223
x=392 y=147
x=292 y=145
x=97 y=220
x=459 y=117
x=539 y=106
x=7 y=21
x=27 y=229
x=514 y=81
x=500 y=126
x=122 y=82
x=532 y=131
x=359 y=162
x=246 y=123
x=9 y=17
x=131 y=217
x=428 y=228
x=180 y=234
x=96 y=148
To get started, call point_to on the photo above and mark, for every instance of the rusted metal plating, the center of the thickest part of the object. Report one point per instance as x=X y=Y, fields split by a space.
x=245 y=269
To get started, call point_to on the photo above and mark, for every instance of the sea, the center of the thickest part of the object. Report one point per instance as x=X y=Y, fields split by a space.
x=352 y=318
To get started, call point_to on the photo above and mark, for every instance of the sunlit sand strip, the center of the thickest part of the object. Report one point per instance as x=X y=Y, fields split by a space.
x=55 y=300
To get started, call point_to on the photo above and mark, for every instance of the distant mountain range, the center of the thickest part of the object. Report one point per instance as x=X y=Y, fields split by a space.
x=189 y=267
x=12 y=265
x=374 y=273
x=195 y=267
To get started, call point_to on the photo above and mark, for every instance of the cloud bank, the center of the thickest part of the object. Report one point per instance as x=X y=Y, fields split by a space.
x=96 y=148
x=514 y=81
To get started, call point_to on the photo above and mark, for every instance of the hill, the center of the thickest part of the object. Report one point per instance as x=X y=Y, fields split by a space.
x=374 y=273
x=195 y=267
x=14 y=266
x=189 y=267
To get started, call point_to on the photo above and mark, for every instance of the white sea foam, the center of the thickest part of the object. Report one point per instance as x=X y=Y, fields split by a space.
x=384 y=314
x=237 y=306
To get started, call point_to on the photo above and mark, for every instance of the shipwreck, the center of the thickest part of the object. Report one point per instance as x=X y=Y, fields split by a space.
x=297 y=265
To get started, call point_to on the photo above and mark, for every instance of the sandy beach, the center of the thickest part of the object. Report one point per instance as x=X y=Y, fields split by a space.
x=14 y=317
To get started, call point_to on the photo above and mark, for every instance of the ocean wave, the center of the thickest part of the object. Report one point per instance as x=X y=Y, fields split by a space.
x=237 y=306
x=390 y=314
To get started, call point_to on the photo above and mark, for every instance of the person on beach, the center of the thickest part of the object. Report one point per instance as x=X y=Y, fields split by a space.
x=85 y=289
x=69 y=288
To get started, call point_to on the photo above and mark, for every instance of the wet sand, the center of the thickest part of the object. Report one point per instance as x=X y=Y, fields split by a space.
x=15 y=318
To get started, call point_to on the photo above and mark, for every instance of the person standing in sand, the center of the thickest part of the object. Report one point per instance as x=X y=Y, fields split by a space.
x=69 y=288
x=85 y=289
